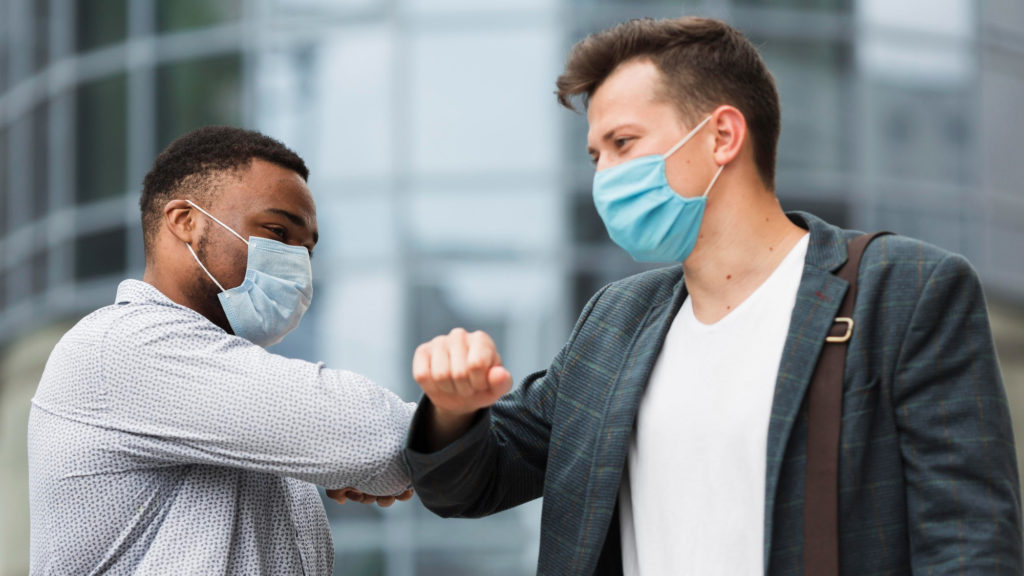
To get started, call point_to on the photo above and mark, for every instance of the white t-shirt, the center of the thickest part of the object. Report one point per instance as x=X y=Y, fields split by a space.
x=692 y=501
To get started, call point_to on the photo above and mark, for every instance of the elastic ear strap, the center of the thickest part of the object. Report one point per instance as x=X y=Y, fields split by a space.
x=203 y=267
x=713 y=180
x=214 y=218
x=686 y=138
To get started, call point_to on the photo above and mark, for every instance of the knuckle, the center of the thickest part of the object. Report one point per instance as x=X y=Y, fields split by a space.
x=478 y=361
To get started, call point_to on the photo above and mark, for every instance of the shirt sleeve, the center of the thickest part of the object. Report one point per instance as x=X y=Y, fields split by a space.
x=186 y=392
x=501 y=460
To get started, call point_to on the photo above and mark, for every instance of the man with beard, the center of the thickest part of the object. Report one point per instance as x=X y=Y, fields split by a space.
x=164 y=438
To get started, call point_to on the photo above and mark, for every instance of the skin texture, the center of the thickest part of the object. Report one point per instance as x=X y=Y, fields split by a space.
x=744 y=234
x=254 y=201
x=261 y=199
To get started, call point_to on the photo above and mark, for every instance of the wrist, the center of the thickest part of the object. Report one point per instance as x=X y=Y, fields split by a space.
x=447 y=415
x=448 y=425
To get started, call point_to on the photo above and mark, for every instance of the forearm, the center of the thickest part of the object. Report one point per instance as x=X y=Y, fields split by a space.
x=359 y=443
x=440 y=427
x=332 y=428
x=451 y=480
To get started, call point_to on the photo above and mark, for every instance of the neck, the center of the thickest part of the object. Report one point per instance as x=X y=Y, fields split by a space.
x=745 y=235
x=168 y=282
x=155 y=277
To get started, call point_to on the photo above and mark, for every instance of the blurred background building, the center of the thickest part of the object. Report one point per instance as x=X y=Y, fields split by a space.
x=451 y=188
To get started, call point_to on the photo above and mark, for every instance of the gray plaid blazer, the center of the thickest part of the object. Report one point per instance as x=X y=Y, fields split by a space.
x=928 y=473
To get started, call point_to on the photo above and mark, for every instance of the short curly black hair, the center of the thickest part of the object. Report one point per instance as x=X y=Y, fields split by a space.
x=189 y=168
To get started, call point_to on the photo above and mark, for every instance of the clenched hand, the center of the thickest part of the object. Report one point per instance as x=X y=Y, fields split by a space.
x=460 y=373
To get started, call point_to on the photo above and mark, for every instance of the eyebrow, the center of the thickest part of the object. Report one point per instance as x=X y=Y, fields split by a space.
x=608 y=135
x=294 y=218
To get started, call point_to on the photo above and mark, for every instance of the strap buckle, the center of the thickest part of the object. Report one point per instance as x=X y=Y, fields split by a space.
x=845 y=337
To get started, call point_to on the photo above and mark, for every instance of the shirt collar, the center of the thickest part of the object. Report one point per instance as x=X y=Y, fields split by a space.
x=136 y=291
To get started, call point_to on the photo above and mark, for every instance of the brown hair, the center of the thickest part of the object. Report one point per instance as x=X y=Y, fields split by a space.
x=704 y=63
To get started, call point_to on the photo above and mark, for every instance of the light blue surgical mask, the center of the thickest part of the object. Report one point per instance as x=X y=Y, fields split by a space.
x=275 y=294
x=643 y=214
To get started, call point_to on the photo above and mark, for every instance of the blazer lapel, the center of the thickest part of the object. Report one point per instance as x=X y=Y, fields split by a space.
x=818 y=299
x=620 y=411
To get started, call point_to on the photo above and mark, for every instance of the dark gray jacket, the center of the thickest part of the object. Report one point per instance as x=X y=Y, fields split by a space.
x=928 y=473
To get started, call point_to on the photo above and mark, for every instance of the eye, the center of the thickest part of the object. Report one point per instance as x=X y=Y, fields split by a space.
x=278 y=231
x=621 y=142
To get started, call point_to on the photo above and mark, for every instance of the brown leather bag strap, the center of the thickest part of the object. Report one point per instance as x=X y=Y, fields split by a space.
x=824 y=418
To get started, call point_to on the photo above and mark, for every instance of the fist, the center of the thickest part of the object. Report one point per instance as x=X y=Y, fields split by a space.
x=460 y=372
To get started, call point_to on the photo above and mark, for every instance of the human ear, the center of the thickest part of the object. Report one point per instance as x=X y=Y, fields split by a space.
x=730 y=133
x=179 y=219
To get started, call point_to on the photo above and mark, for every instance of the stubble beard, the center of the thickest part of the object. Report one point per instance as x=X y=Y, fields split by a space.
x=203 y=292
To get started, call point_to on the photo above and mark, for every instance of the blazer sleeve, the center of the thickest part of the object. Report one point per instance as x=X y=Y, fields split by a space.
x=501 y=460
x=963 y=496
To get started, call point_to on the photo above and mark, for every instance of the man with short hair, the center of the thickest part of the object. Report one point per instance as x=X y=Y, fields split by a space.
x=164 y=438
x=669 y=435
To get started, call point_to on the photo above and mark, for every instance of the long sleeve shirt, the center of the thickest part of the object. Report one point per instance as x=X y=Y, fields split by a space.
x=160 y=444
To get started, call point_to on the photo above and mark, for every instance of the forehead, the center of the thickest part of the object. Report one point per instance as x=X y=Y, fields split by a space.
x=264 y=185
x=633 y=92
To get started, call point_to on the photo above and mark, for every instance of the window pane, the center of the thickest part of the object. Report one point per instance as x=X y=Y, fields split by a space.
x=834 y=5
x=4 y=188
x=40 y=161
x=39 y=265
x=100 y=254
x=101 y=146
x=922 y=134
x=187 y=14
x=835 y=212
x=468 y=563
x=587 y=226
x=814 y=96
x=4 y=44
x=99 y=23
x=437 y=311
x=360 y=562
x=41 y=38
x=3 y=62
x=197 y=93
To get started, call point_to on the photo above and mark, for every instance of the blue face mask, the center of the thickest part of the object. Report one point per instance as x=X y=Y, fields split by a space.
x=643 y=214
x=276 y=292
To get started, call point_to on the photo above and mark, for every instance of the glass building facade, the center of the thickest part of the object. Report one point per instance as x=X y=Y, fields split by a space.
x=451 y=188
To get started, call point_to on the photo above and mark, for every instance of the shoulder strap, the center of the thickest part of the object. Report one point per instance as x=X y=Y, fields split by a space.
x=824 y=419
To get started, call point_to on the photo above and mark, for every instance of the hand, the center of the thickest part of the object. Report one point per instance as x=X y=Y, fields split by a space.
x=345 y=494
x=460 y=373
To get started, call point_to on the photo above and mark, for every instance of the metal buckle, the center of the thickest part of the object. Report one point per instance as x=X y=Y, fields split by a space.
x=844 y=337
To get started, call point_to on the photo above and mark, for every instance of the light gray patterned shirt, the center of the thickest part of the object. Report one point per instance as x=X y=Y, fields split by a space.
x=160 y=444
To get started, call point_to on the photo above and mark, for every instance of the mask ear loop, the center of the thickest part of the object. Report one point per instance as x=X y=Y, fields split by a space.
x=189 y=246
x=684 y=140
x=713 y=180
x=214 y=218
